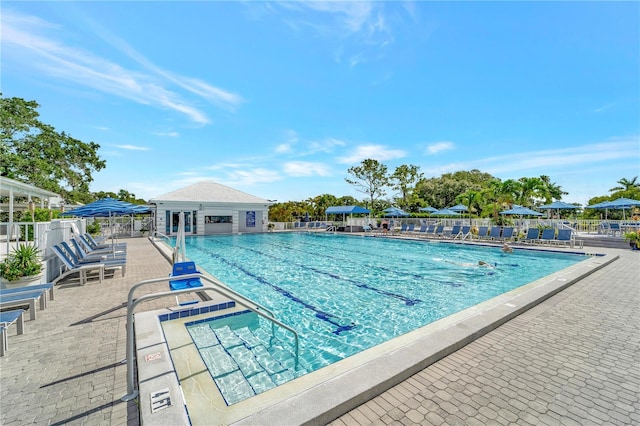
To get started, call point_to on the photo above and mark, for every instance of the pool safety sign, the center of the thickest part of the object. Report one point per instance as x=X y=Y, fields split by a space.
x=160 y=400
x=251 y=219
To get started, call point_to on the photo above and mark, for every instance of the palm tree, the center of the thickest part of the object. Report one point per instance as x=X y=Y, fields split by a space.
x=470 y=198
x=551 y=191
x=626 y=184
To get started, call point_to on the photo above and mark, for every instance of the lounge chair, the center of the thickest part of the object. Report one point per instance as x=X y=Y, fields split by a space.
x=464 y=232
x=95 y=245
x=564 y=237
x=439 y=231
x=70 y=266
x=410 y=228
x=21 y=299
x=6 y=319
x=47 y=287
x=367 y=228
x=97 y=253
x=533 y=235
x=83 y=259
x=507 y=233
x=548 y=235
x=421 y=231
x=482 y=232
x=88 y=247
x=494 y=233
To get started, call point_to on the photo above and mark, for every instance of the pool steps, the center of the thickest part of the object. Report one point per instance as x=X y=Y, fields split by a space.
x=244 y=362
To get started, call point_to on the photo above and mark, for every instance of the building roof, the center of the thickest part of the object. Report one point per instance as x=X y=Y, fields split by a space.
x=21 y=188
x=210 y=192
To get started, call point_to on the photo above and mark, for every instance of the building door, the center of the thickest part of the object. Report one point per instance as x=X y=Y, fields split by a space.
x=188 y=222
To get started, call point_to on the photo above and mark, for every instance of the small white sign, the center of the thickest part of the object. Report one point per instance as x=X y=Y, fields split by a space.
x=160 y=400
x=153 y=357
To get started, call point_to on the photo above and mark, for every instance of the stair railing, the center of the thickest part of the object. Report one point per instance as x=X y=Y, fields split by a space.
x=214 y=285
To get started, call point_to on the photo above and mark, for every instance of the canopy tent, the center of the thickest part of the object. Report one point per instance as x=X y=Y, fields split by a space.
x=521 y=211
x=346 y=210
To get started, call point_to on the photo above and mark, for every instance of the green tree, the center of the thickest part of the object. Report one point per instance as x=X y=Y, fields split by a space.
x=625 y=184
x=471 y=199
x=404 y=180
x=551 y=190
x=370 y=178
x=35 y=153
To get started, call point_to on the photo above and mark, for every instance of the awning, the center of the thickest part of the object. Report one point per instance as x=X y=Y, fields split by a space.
x=345 y=210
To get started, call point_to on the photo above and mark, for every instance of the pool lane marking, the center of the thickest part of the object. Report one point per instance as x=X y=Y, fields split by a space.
x=407 y=301
x=382 y=268
x=320 y=314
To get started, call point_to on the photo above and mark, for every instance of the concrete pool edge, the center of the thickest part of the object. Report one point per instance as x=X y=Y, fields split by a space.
x=326 y=394
x=375 y=370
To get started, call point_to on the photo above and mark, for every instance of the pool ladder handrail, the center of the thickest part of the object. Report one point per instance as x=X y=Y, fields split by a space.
x=260 y=310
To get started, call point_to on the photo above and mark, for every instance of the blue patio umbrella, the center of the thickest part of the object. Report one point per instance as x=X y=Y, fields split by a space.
x=395 y=212
x=445 y=212
x=559 y=205
x=521 y=211
x=459 y=208
x=428 y=209
x=620 y=203
x=107 y=207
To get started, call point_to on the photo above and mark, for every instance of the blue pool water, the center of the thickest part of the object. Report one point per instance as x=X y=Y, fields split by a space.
x=342 y=294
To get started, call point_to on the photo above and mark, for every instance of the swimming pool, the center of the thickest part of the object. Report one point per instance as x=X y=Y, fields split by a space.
x=344 y=294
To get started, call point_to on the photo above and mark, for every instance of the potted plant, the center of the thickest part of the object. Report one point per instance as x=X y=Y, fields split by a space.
x=633 y=237
x=22 y=266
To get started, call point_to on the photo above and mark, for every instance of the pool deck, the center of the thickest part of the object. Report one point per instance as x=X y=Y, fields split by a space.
x=573 y=359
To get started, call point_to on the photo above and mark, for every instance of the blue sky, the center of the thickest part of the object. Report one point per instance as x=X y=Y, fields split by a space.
x=280 y=99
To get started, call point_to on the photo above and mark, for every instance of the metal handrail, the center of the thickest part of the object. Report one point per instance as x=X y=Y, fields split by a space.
x=132 y=392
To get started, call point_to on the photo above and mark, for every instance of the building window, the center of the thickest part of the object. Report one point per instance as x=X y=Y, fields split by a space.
x=218 y=219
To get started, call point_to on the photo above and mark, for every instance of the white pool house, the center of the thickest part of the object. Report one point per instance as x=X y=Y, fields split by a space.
x=211 y=208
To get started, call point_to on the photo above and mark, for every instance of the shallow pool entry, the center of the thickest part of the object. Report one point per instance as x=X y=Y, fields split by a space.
x=243 y=358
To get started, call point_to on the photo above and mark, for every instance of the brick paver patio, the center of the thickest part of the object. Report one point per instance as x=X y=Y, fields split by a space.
x=574 y=359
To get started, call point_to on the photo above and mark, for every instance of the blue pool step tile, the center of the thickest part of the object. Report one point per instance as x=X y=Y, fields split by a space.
x=267 y=361
x=227 y=337
x=234 y=387
x=218 y=361
x=245 y=359
x=203 y=336
x=261 y=382
x=248 y=337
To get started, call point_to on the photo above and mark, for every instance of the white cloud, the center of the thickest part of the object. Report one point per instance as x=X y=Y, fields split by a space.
x=376 y=152
x=283 y=148
x=305 y=168
x=359 y=27
x=551 y=160
x=250 y=177
x=439 y=147
x=133 y=148
x=23 y=40
x=168 y=134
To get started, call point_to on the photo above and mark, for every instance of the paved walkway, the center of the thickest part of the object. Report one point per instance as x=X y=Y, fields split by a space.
x=574 y=359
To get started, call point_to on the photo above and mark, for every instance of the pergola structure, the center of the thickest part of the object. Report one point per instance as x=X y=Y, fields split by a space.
x=12 y=188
